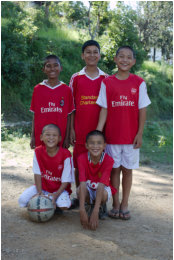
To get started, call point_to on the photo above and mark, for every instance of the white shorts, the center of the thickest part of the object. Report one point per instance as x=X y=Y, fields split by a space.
x=63 y=200
x=92 y=193
x=123 y=154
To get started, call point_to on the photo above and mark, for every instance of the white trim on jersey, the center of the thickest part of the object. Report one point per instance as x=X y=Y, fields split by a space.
x=143 y=101
x=44 y=82
x=68 y=170
x=101 y=158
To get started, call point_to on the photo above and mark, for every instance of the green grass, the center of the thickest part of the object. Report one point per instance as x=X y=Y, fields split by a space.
x=157 y=142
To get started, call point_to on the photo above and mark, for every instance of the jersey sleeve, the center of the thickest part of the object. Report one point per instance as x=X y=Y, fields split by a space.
x=106 y=173
x=36 y=168
x=68 y=171
x=144 y=100
x=81 y=168
x=102 y=101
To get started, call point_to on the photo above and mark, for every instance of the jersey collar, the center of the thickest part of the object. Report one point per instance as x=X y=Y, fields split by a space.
x=44 y=82
x=82 y=72
x=101 y=158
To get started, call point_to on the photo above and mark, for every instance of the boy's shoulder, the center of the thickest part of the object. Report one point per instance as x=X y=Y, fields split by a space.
x=136 y=77
x=108 y=158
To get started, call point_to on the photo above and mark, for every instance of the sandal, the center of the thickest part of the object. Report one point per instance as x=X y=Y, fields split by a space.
x=125 y=215
x=114 y=213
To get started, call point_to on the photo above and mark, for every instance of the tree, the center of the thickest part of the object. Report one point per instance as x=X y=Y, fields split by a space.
x=122 y=31
x=155 y=25
x=98 y=18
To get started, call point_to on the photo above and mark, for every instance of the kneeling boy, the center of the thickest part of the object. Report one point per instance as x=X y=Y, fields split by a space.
x=53 y=170
x=94 y=175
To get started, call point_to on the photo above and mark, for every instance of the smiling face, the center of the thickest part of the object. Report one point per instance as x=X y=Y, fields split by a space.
x=124 y=60
x=52 y=68
x=91 y=55
x=95 y=145
x=51 y=137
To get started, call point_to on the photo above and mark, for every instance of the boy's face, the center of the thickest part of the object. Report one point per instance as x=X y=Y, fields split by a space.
x=50 y=137
x=95 y=145
x=52 y=69
x=91 y=55
x=124 y=60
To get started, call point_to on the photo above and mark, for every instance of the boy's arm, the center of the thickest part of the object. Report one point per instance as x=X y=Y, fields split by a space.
x=102 y=118
x=72 y=131
x=82 y=198
x=32 y=141
x=66 y=140
x=38 y=183
x=138 y=138
x=93 y=223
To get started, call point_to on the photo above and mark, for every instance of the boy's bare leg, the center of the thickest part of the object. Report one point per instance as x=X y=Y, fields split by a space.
x=115 y=181
x=126 y=188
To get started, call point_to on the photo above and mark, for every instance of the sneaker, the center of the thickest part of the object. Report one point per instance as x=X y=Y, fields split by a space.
x=103 y=212
x=74 y=203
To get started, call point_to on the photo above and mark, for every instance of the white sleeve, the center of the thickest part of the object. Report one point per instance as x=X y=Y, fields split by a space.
x=144 y=100
x=36 y=169
x=102 y=101
x=68 y=171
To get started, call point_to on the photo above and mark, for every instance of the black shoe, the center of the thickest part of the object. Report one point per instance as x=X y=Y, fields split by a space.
x=103 y=212
x=74 y=203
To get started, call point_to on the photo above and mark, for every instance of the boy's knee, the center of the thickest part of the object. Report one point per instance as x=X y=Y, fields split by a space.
x=22 y=203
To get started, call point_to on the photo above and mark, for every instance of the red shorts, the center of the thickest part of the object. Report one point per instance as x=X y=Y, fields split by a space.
x=78 y=149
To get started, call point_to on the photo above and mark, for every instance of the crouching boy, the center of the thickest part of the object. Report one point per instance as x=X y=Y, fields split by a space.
x=53 y=170
x=94 y=175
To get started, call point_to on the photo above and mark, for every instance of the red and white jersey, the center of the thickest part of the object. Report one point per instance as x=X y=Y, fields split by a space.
x=93 y=174
x=85 y=92
x=52 y=168
x=51 y=105
x=123 y=104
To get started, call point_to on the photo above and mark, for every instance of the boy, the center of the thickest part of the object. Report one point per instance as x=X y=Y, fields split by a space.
x=94 y=174
x=51 y=103
x=53 y=170
x=85 y=86
x=123 y=98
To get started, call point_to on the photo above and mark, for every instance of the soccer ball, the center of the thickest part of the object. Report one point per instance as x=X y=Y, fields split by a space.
x=40 y=208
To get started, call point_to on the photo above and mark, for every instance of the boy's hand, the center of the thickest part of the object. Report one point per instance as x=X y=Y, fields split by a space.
x=84 y=218
x=137 y=141
x=93 y=222
x=54 y=198
x=72 y=137
x=66 y=143
x=32 y=142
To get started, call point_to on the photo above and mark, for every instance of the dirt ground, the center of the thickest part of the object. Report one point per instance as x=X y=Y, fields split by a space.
x=148 y=235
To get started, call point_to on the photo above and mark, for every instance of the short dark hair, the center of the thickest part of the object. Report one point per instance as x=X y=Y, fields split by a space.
x=126 y=47
x=95 y=132
x=51 y=56
x=90 y=43
x=51 y=126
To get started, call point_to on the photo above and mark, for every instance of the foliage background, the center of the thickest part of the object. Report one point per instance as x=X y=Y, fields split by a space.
x=32 y=30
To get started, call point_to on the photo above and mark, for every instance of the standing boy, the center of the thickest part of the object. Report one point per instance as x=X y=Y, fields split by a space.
x=123 y=98
x=53 y=170
x=51 y=103
x=94 y=174
x=85 y=86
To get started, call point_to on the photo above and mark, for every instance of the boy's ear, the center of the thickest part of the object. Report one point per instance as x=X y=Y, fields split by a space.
x=82 y=56
x=41 y=137
x=86 y=145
